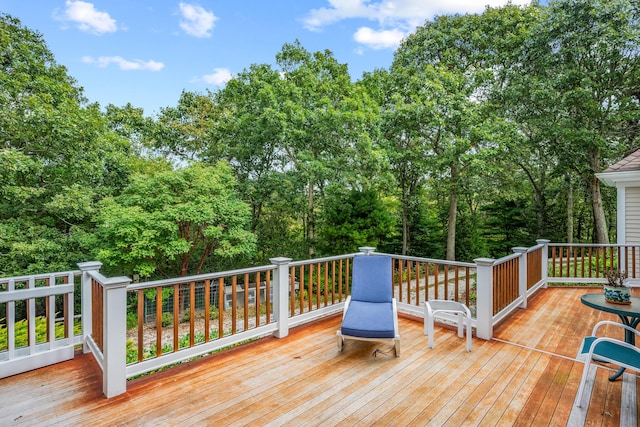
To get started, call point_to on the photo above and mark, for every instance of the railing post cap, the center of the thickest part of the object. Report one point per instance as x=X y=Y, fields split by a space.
x=116 y=282
x=543 y=241
x=484 y=261
x=89 y=265
x=367 y=249
x=520 y=249
x=280 y=260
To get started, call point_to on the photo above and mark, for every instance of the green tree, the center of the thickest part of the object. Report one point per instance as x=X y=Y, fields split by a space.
x=327 y=122
x=175 y=222
x=354 y=219
x=250 y=130
x=57 y=157
x=441 y=75
x=405 y=151
x=581 y=65
x=183 y=133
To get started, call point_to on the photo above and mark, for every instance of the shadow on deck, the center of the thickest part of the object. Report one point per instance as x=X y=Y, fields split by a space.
x=526 y=375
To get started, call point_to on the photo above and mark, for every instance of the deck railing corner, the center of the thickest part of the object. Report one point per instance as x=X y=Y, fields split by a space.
x=484 y=304
x=86 y=268
x=281 y=295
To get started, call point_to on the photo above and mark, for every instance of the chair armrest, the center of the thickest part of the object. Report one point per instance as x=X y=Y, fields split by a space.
x=609 y=322
x=346 y=306
x=394 y=306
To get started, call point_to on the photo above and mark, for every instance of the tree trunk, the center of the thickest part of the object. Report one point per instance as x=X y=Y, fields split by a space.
x=311 y=225
x=599 y=219
x=405 y=221
x=453 y=211
x=569 y=210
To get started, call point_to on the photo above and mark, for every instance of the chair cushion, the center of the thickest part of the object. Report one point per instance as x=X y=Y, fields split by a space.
x=611 y=351
x=372 y=278
x=369 y=320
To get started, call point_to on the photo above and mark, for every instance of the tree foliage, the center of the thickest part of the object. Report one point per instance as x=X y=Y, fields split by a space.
x=57 y=157
x=578 y=81
x=175 y=222
x=484 y=133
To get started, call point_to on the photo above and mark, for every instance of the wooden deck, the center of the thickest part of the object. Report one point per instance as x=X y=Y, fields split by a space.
x=525 y=376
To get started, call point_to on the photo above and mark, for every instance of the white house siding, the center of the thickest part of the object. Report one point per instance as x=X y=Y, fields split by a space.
x=632 y=214
x=632 y=229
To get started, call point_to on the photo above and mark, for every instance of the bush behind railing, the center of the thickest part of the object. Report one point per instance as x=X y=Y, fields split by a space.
x=41 y=328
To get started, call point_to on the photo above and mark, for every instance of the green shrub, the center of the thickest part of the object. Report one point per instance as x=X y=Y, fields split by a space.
x=167 y=319
x=22 y=332
x=132 y=320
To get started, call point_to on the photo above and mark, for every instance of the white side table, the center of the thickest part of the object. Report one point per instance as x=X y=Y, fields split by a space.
x=431 y=308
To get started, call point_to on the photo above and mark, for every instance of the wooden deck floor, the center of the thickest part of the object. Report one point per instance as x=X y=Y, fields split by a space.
x=525 y=376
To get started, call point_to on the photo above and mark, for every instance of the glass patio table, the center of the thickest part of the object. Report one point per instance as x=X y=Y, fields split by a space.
x=629 y=315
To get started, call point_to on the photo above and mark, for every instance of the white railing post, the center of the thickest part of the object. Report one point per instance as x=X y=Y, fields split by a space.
x=114 y=375
x=484 y=301
x=522 y=276
x=545 y=261
x=281 y=295
x=85 y=305
x=367 y=250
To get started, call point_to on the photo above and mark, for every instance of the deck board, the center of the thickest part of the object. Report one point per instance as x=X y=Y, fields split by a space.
x=526 y=376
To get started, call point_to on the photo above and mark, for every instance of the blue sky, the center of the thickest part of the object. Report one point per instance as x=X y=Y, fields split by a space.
x=147 y=52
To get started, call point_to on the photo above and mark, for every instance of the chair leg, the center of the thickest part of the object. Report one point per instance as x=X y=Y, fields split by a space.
x=461 y=323
x=340 y=342
x=430 y=332
x=426 y=320
x=583 y=381
x=468 y=333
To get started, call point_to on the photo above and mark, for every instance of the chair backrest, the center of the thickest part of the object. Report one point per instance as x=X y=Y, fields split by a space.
x=372 y=278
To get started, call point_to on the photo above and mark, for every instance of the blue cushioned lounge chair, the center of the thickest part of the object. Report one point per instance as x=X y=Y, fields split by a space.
x=370 y=312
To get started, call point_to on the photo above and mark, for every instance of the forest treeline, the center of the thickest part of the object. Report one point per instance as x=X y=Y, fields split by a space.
x=483 y=134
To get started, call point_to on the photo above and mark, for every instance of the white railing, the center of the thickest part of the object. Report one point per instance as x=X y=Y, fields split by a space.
x=318 y=287
x=184 y=289
x=581 y=262
x=104 y=305
x=505 y=284
x=294 y=293
x=418 y=279
x=37 y=328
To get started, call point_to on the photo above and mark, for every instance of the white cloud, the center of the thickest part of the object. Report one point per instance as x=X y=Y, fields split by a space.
x=339 y=10
x=124 y=64
x=382 y=39
x=394 y=17
x=87 y=18
x=196 y=21
x=219 y=77
x=395 y=11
